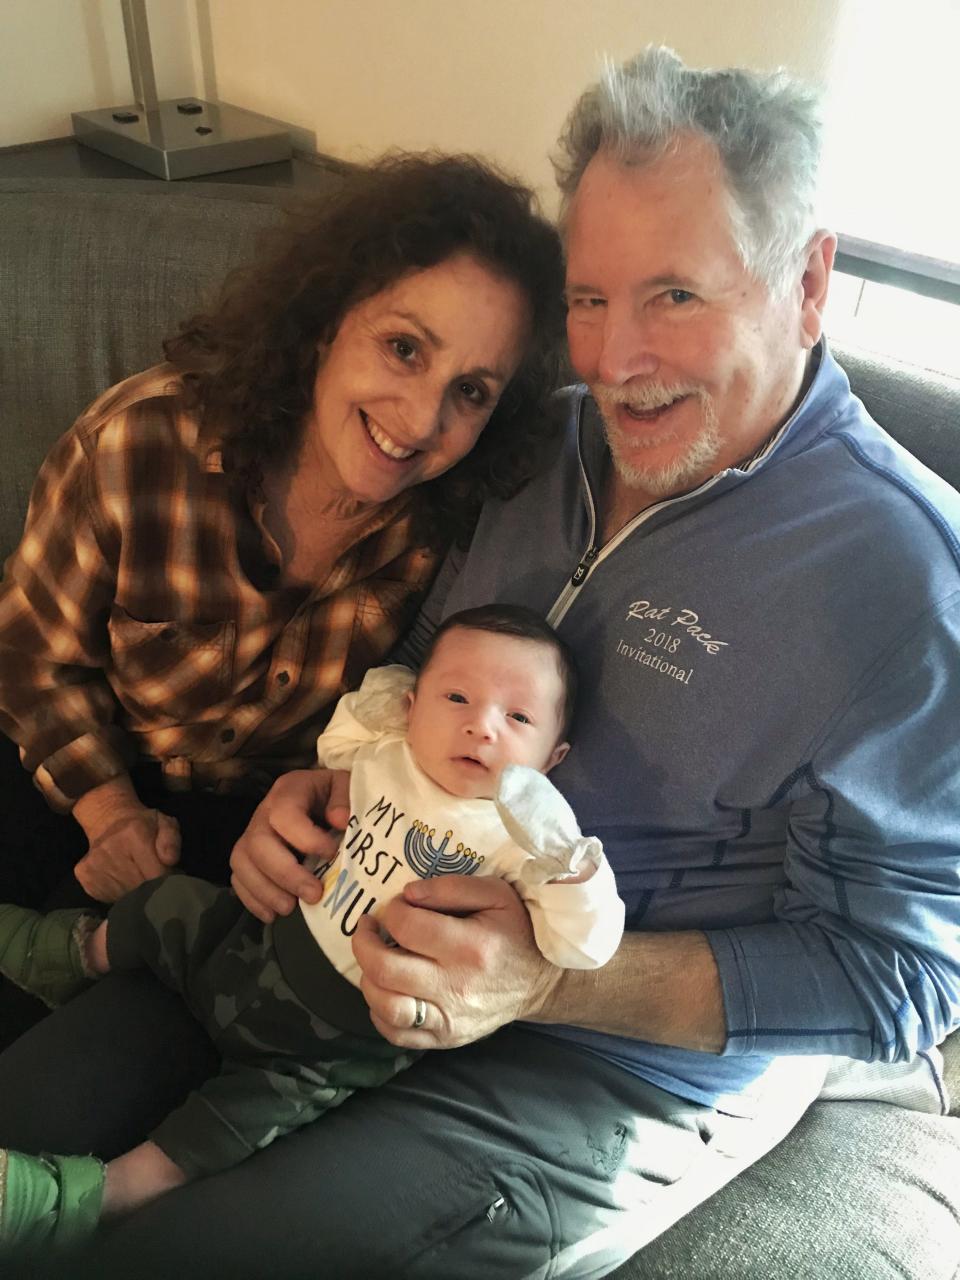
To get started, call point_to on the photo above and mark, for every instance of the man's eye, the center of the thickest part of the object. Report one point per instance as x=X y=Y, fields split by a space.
x=680 y=296
x=585 y=304
x=403 y=348
x=518 y=715
x=456 y=697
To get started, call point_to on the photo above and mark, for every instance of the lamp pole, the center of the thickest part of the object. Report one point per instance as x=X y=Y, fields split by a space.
x=179 y=137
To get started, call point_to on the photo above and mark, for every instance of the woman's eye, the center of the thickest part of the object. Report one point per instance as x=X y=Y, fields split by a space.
x=518 y=715
x=473 y=392
x=456 y=697
x=403 y=348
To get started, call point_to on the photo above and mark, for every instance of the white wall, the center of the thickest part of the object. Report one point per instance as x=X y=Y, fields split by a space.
x=358 y=76
x=493 y=76
x=58 y=56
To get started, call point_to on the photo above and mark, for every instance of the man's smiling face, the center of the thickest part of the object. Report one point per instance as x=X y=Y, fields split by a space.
x=692 y=360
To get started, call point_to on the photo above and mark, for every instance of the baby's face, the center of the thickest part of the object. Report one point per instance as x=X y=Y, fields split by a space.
x=485 y=701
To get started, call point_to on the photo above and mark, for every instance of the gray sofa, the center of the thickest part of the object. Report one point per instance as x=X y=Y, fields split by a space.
x=92 y=273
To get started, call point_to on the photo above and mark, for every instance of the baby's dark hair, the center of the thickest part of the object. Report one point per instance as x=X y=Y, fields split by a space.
x=517 y=620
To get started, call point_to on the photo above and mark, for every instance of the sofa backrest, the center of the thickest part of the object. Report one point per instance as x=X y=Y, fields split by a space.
x=918 y=407
x=94 y=273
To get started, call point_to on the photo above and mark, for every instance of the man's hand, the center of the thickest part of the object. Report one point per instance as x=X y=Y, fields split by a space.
x=129 y=843
x=465 y=948
x=266 y=871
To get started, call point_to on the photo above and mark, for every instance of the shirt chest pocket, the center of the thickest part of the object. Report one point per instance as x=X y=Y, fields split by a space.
x=174 y=671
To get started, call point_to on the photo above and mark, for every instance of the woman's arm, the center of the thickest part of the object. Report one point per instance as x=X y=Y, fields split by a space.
x=56 y=595
x=55 y=700
x=129 y=843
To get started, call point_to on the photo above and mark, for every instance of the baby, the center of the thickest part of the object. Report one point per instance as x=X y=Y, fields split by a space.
x=446 y=778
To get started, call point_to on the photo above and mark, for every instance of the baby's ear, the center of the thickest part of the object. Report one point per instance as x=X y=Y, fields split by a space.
x=559 y=751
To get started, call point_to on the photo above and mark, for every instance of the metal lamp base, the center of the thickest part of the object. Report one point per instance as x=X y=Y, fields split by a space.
x=183 y=138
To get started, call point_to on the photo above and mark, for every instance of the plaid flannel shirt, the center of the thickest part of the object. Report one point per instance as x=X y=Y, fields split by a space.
x=138 y=620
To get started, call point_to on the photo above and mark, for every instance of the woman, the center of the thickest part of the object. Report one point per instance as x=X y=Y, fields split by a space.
x=310 y=451
x=223 y=544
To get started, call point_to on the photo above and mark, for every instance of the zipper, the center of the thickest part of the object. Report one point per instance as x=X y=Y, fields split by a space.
x=496 y=1209
x=583 y=568
x=594 y=554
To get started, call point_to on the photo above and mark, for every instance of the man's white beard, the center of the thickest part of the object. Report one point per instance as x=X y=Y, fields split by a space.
x=673 y=476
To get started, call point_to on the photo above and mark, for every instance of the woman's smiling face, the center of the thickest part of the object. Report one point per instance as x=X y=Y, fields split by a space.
x=411 y=378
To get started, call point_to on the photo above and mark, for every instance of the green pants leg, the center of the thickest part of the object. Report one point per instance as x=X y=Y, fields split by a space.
x=282 y=1064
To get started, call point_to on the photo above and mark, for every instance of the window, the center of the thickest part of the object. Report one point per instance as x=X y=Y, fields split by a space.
x=893 y=125
x=896 y=319
x=891 y=179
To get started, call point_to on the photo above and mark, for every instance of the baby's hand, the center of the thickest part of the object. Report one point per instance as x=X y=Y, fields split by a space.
x=586 y=871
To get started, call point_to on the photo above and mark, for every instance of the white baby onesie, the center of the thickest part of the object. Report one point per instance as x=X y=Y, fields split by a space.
x=403 y=826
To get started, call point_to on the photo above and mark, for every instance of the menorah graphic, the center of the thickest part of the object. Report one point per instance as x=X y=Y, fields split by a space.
x=428 y=859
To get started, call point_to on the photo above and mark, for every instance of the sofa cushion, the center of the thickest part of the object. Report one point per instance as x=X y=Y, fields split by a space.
x=879 y=1199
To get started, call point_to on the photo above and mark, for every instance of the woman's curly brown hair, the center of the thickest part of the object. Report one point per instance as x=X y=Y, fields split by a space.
x=251 y=363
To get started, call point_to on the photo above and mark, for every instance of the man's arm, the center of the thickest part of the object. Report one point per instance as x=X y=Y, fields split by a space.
x=677 y=1000
x=862 y=957
x=465 y=947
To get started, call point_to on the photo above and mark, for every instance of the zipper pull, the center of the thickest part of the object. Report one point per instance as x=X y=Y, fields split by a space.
x=495 y=1209
x=581 y=570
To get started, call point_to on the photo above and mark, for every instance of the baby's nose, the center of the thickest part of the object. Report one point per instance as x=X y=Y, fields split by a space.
x=481 y=724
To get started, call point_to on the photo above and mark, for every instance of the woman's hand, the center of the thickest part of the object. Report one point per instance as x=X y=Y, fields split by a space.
x=465 y=948
x=266 y=872
x=129 y=843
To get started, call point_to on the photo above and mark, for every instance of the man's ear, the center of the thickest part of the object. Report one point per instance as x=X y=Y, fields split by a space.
x=556 y=755
x=815 y=284
x=410 y=698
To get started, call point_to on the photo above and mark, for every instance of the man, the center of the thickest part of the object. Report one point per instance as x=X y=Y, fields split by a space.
x=763 y=594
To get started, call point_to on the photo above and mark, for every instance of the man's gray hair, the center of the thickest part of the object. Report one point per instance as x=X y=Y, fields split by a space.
x=766 y=128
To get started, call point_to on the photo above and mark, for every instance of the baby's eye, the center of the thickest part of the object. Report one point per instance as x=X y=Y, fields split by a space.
x=456 y=697
x=518 y=715
x=403 y=348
